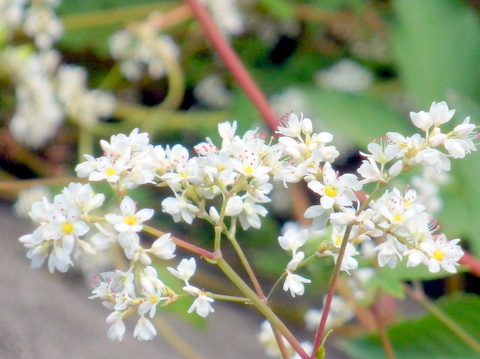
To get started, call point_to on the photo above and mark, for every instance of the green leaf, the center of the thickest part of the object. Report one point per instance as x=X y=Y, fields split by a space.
x=421 y=272
x=282 y=9
x=436 y=45
x=357 y=116
x=426 y=337
x=88 y=24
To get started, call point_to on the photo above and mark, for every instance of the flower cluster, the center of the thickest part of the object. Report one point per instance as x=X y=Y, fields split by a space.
x=141 y=50
x=35 y=18
x=228 y=186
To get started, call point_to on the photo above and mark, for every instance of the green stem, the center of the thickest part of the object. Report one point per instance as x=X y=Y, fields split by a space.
x=261 y=306
x=444 y=318
x=229 y=298
x=247 y=266
x=284 y=274
x=120 y=15
x=175 y=340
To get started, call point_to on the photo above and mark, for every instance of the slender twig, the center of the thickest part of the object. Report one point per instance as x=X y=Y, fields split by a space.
x=234 y=64
x=181 y=243
x=175 y=340
x=382 y=331
x=331 y=291
x=261 y=306
x=471 y=262
x=247 y=266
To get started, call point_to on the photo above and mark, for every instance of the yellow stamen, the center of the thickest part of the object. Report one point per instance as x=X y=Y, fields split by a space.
x=130 y=220
x=331 y=191
x=67 y=228
x=438 y=255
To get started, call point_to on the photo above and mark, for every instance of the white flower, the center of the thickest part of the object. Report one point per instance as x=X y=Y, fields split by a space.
x=179 y=208
x=163 y=247
x=202 y=303
x=389 y=251
x=292 y=239
x=294 y=284
x=130 y=220
x=144 y=330
x=442 y=253
x=250 y=215
x=335 y=190
x=439 y=114
x=185 y=269
x=346 y=75
x=117 y=329
x=340 y=312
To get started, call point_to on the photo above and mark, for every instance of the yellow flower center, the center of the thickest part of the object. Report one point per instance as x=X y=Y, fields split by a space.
x=338 y=241
x=331 y=191
x=398 y=217
x=438 y=255
x=67 y=228
x=110 y=172
x=248 y=170
x=130 y=220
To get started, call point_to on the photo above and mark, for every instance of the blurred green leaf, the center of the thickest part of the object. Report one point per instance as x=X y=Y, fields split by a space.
x=283 y=9
x=88 y=24
x=436 y=44
x=359 y=117
x=427 y=337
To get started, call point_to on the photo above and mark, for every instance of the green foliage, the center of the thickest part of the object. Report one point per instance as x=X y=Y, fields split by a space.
x=436 y=44
x=359 y=117
x=426 y=337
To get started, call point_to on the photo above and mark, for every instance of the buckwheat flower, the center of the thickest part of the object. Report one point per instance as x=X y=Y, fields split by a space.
x=27 y=197
x=334 y=189
x=82 y=196
x=293 y=239
x=415 y=257
x=202 y=303
x=212 y=92
x=389 y=251
x=319 y=215
x=185 y=269
x=150 y=302
x=295 y=261
x=439 y=114
x=349 y=262
x=442 y=253
x=226 y=15
x=130 y=220
x=144 y=330
x=102 y=168
x=42 y=24
x=65 y=226
x=163 y=247
x=250 y=215
x=38 y=248
x=179 y=208
x=340 y=313
x=459 y=141
x=117 y=329
x=149 y=280
x=295 y=127
x=295 y=284
x=267 y=338
x=346 y=75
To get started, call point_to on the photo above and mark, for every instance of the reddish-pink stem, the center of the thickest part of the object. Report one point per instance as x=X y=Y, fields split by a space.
x=234 y=64
x=471 y=262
